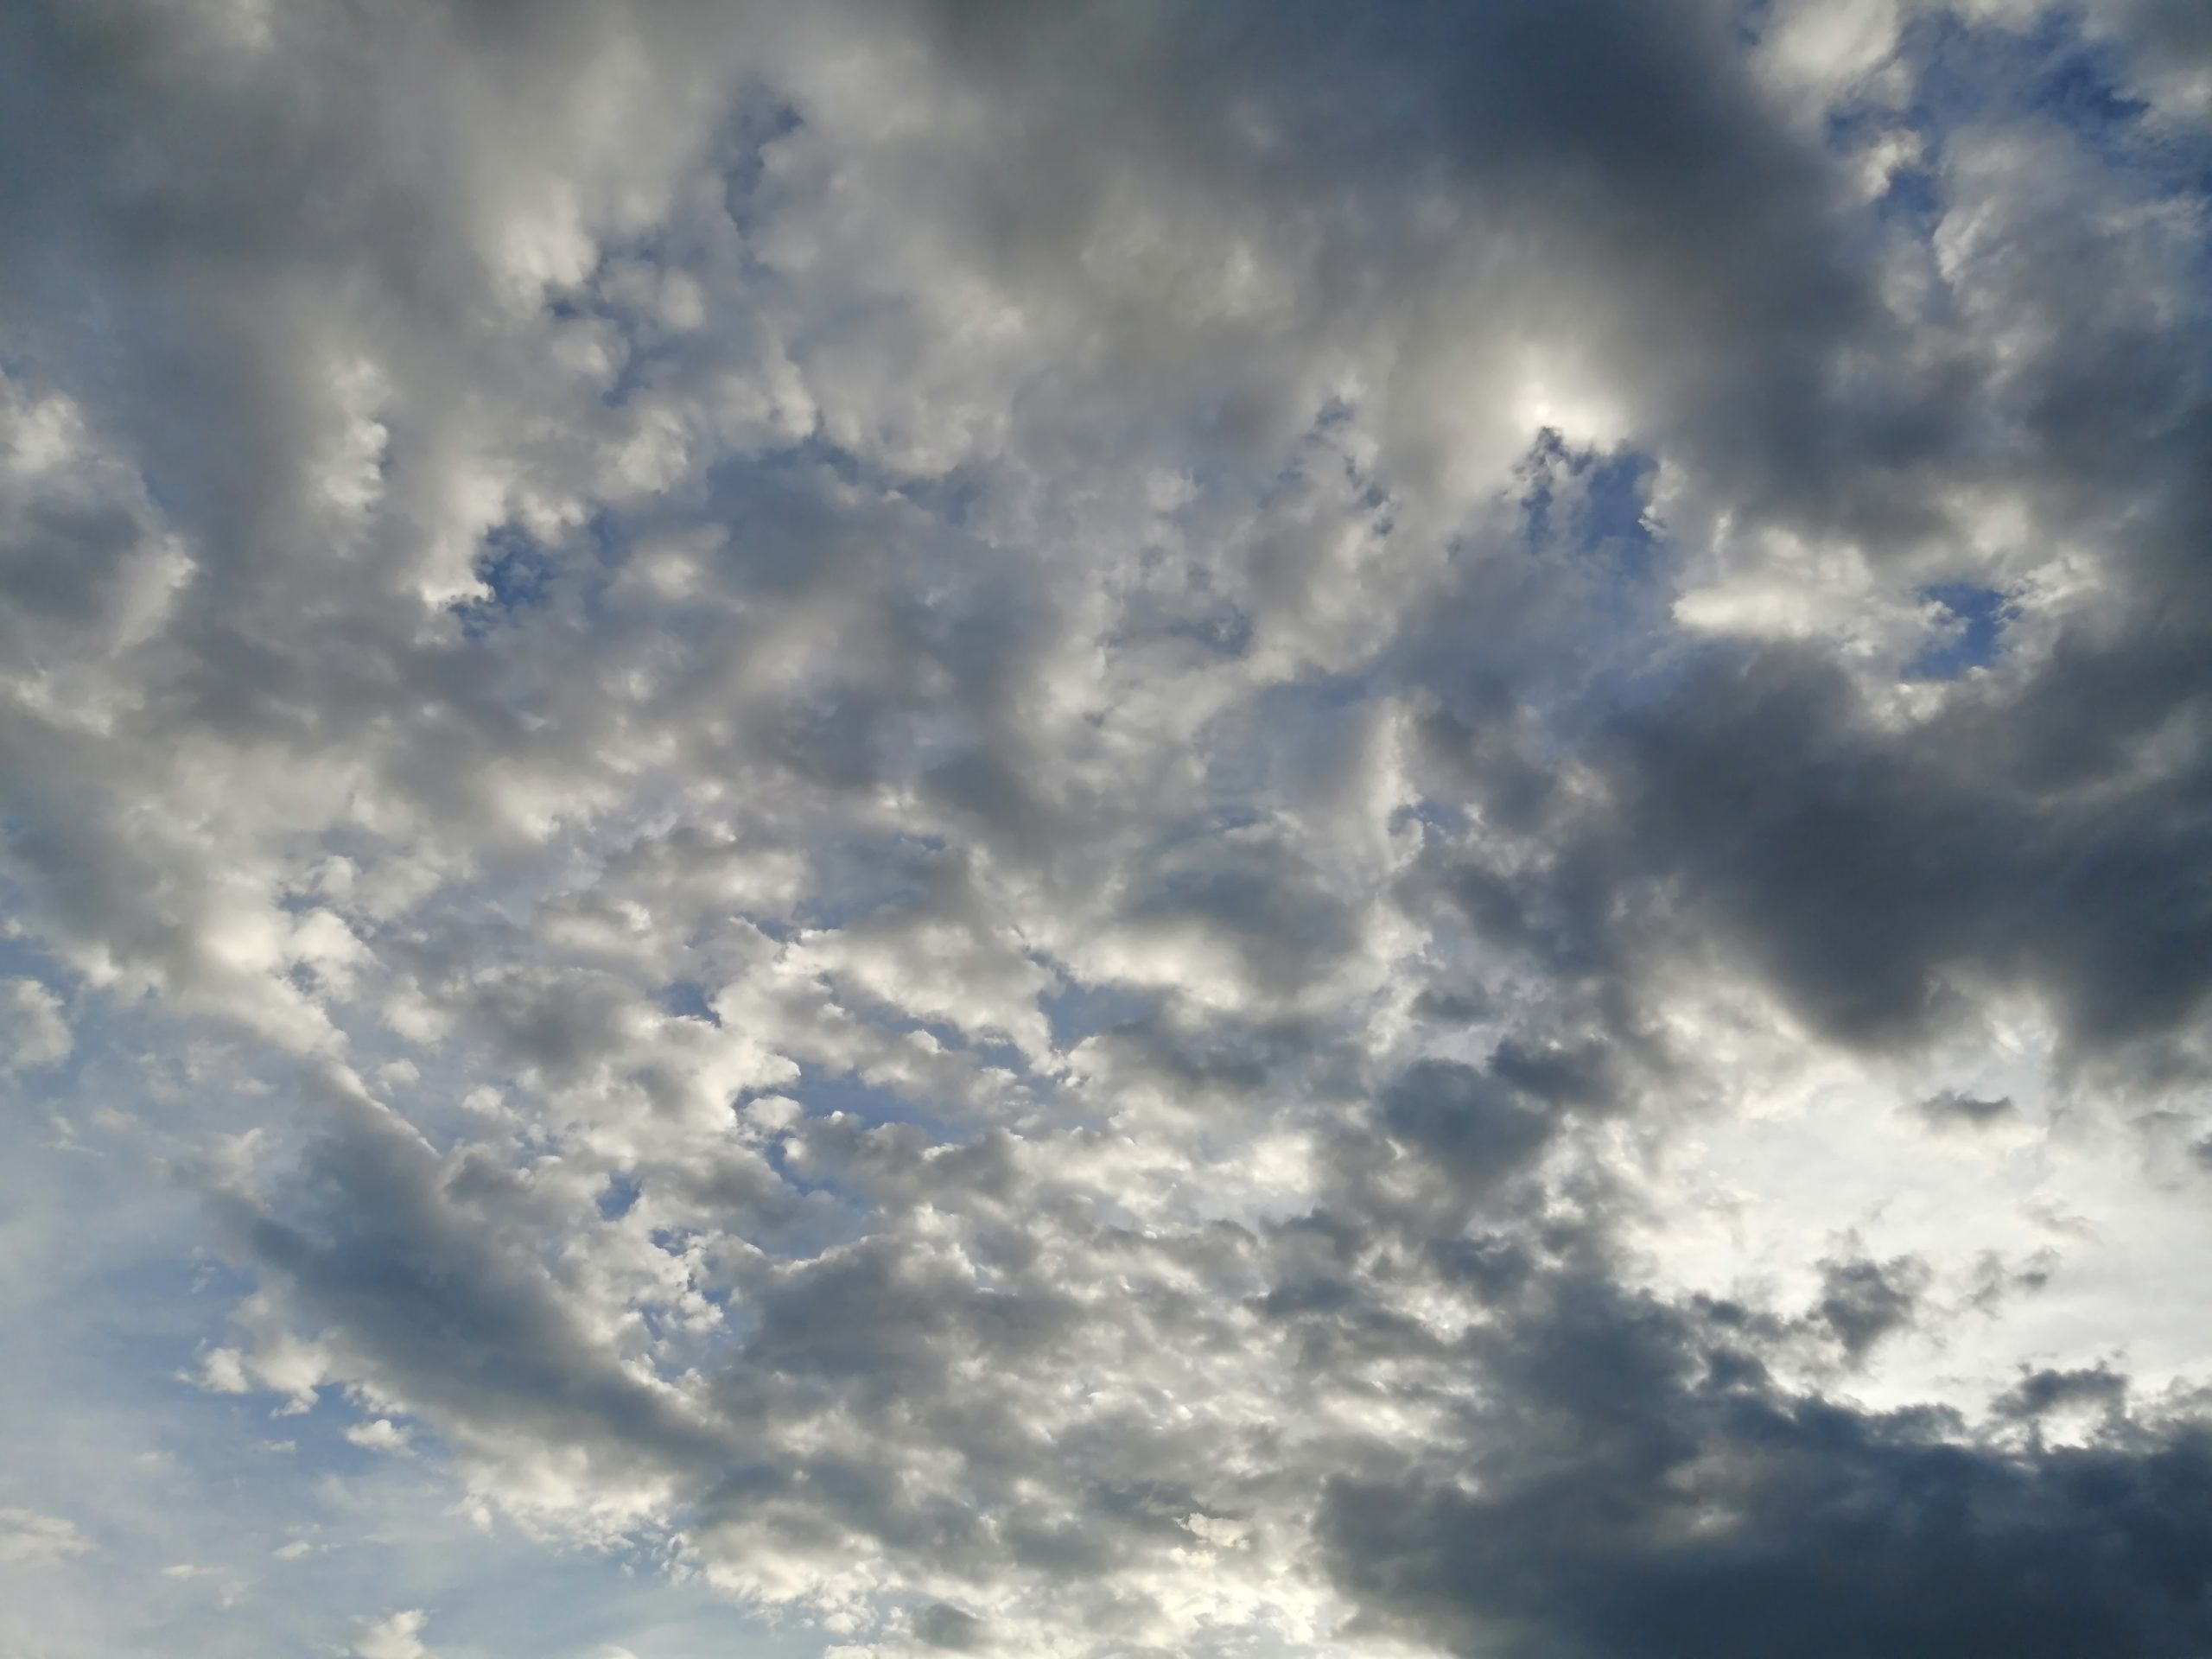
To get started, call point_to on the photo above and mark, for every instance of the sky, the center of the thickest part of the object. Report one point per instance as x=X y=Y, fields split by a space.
x=1106 y=830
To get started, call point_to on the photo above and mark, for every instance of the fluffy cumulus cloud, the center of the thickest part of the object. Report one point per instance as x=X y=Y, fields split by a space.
x=396 y=1637
x=934 y=827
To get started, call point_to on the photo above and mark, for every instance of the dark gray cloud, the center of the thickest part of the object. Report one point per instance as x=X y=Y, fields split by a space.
x=1874 y=881
x=2044 y=1391
x=1863 y=1301
x=942 y=1626
x=1951 y=1109
x=1642 y=1491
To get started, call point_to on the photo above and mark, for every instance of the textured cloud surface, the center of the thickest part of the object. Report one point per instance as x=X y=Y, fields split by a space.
x=1106 y=829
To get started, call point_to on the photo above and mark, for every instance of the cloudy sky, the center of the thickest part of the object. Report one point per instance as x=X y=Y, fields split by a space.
x=948 y=827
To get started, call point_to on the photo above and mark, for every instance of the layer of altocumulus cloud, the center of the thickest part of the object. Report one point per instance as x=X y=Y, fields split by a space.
x=1106 y=829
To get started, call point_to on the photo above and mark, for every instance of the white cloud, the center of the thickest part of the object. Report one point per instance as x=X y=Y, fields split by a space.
x=29 y=1539
x=33 y=1030
x=396 y=1635
x=380 y=1435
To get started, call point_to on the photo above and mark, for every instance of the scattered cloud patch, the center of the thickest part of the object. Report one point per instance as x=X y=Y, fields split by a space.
x=396 y=1636
x=1951 y=1109
x=29 y=1539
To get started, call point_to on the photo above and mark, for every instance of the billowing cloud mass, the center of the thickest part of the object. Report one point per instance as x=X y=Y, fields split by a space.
x=940 y=827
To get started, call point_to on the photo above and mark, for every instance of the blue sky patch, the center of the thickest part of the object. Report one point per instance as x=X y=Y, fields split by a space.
x=1971 y=630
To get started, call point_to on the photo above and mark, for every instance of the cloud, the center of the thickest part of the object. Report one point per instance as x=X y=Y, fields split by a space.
x=29 y=1539
x=1951 y=1109
x=1863 y=1301
x=946 y=1627
x=32 y=1025
x=380 y=1434
x=1648 y=1494
x=396 y=1636
x=1104 y=830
